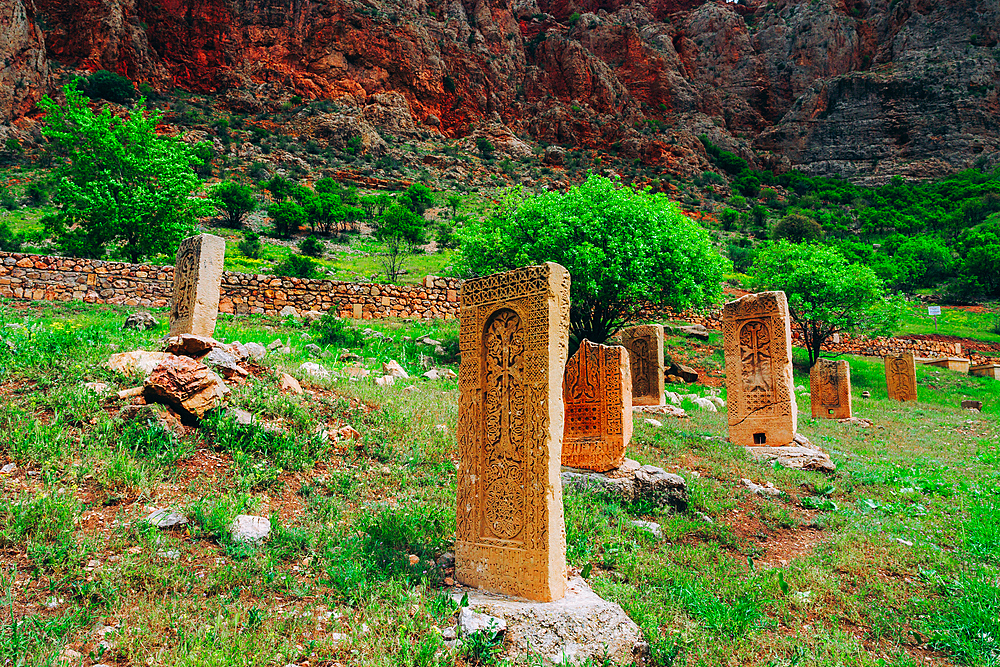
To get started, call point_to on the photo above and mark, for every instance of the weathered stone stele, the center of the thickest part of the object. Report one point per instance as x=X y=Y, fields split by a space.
x=597 y=392
x=514 y=339
x=197 y=284
x=901 y=377
x=758 y=348
x=830 y=386
x=645 y=355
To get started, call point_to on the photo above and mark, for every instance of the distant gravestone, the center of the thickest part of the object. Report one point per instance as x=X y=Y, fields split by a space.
x=645 y=356
x=830 y=389
x=197 y=285
x=901 y=377
x=757 y=338
x=597 y=392
x=510 y=537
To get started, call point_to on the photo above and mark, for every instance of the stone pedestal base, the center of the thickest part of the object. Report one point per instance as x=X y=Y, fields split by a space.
x=577 y=627
x=800 y=453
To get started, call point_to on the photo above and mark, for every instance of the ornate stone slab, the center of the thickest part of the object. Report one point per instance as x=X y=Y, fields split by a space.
x=597 y=392
x=514 y=339
x=645 y=355
x=758 y=347
x=830 y=386
x=197 y=283
x=901 y=377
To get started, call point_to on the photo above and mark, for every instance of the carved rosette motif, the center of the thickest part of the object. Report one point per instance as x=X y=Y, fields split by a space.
x=513 y=340
x=757 y=339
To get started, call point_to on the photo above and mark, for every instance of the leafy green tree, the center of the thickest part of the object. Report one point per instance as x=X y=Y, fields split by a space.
x=401 y=231
x=797 y=228
x=288 y=216
x=10 y=241
x=249 y=245
x=312 y=246
x=826 y=294
x=454 y=201
x=485 y=146
x=624 y=249
x=297 y=266
x=980 y=269
x=728 y=217
x=234 y=201
x=120 y=184
x=279 y=187
x=418 y=198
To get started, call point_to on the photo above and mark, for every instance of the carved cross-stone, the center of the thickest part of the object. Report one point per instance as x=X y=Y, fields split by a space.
x=901 y=377
x=514 y=339
x=597 y=391
x=757 y=338
x=645 y=354
x=830 y=389
x=197 y=285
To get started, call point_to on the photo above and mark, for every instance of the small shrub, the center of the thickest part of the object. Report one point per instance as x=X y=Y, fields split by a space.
x=312 y=247
x=109 y=86
x=7 y=199
x=297 y=266
x=9 y=240
x=249 y=245
x=332 y=330
x=484 y=145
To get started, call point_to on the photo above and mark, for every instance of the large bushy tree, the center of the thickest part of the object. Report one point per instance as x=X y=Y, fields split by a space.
x=624 y=249
x=400 y=230
x=826 y=294
x=120 y=184
x=235 y=201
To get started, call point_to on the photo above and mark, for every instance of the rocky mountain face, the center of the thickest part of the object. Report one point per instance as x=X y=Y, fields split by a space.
x=858 y=88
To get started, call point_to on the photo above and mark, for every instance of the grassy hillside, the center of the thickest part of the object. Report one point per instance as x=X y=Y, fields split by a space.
x=891 y=561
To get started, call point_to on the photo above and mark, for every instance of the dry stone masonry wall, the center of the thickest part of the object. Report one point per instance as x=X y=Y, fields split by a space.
x=44 y=278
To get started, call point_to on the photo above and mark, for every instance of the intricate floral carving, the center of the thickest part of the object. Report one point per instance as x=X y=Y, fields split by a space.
x=513 y=340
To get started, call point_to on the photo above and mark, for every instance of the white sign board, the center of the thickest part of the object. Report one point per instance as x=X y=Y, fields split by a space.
x=933 y=311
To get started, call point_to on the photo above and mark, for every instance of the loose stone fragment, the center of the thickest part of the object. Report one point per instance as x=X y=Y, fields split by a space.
x=395 y=370
x=597 y=391
x=901 y=377
x=186 y=385
x=137 y=361
x=255 y=351
x=197 y=284
x=290 y=384
x=248 y=528
x=758 y=348
x=514 y=342
x=140 y=321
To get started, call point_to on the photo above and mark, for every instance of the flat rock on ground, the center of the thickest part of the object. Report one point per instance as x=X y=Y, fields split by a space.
x=800 y=454
x=578 y=627
x=630 y=483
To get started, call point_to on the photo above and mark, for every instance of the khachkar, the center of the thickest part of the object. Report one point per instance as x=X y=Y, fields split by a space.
x=758 y=346
x=513 y=338
x=645 y=356
x=901 y=377
x=197 y=284
x=830 y=386
x=597 y=391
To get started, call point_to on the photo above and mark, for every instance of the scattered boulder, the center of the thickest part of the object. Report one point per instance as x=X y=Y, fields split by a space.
x=767 y=489
x=866 y=394
x=141 y=321
x=356 y=372
x=669 y=410
x=800 y=454
x=240 y=416
x=859 y=421
x=661 y=487
x=655 y=423
x=155 y=413
x=471 y=622
x=349 y=357
x=631 y=483
x=312 y=316
x=274 y=345
x=314 y=350
x=290 y=384
x=314 y=370
x=349 y=433
x=719 y=403
x=385 y=380
x=393 y=369
x=694 y=331
x=649 y=526
x=237 y=349
x=972 y=405
x=136 y=361
x=685 y=373
x=432 y=374
x=705 y=404
x=249 y=528
x=99 y=388
x=288 y=311
x=185 y=385
x=225 y=363
x=191 y=345
x=166 y=518
x=554 y=155
x=255 y=351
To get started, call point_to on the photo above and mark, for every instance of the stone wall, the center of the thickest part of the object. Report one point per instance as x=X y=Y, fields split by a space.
x=43 y=278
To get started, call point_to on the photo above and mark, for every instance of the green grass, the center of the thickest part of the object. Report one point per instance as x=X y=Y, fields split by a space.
x=899 y=562
x=954 y=321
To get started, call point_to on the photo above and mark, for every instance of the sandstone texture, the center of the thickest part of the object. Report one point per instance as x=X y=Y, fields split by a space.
x=858 y=89
x=185 y=385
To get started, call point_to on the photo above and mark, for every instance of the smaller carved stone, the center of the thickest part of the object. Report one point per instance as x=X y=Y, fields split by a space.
x=901 y=377
x=830 y=389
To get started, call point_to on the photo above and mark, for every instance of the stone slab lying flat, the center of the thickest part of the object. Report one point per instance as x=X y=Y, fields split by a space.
x=578 y=626
x=800 y=454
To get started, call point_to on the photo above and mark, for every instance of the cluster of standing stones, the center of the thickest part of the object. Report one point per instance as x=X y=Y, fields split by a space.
x=526 y=409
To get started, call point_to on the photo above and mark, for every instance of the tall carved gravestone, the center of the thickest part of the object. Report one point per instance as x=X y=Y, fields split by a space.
x=901 y=377
x=758 y=347
x=513 y=337
x=645 y=356
x=197 y=284
x=597 y=391
x=830 y=386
